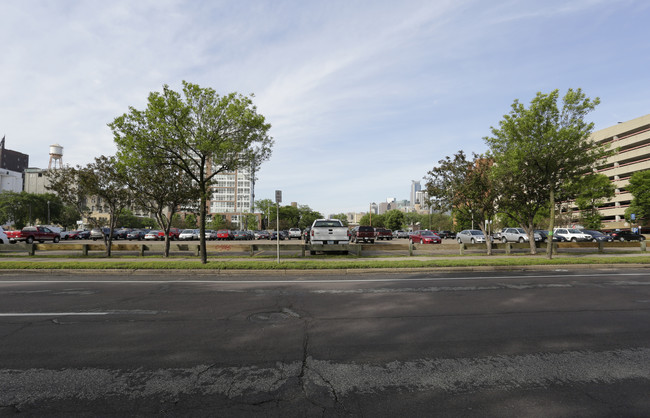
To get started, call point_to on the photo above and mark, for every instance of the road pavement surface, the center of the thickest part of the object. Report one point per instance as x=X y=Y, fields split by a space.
x=527 y=343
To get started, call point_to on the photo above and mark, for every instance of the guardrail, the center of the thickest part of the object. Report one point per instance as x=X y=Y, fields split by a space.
x=357 y=250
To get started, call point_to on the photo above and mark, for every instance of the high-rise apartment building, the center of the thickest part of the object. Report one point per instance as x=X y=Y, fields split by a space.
x=233 y=195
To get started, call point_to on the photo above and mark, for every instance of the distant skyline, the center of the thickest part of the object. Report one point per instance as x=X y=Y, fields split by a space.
x=363 y=97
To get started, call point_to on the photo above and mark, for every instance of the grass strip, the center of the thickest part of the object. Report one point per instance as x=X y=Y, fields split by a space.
x=314 y=264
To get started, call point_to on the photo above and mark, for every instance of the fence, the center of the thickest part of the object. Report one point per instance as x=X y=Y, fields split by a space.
x=358 y=250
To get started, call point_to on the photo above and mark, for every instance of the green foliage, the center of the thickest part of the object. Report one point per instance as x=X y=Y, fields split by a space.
x=23 y=209
x=540 y=150
x=592 y=191
x=198 y=133
x=341 y=217
x=394 y=219
x=639 y=186
x=466 y=186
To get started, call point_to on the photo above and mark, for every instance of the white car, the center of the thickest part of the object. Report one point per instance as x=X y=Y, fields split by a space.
x=189 y=234
x=571 y=234
x=3 y=237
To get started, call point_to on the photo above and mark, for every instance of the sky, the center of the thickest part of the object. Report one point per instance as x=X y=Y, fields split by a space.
x=363 y=96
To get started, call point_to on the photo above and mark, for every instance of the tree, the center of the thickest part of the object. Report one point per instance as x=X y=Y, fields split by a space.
x=200 y=133
x=307 y=216
x=341 y=217
x=639 y=186
x=465 y=186
x=394 y=219
x=104 y=180
x=158 y=187
x=66 y=183
x=538 y=151
x=592 y=191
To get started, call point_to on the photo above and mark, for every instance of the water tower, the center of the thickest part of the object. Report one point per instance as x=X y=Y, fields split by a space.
x=56 y=156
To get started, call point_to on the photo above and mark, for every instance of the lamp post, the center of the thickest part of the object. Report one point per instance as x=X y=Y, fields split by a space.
x=48 y=212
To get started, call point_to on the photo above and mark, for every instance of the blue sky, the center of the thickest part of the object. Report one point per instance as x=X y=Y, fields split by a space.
x=363 y=96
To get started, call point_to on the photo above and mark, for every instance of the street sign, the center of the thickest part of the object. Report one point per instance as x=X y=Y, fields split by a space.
x=278 y=196
x=633 y=216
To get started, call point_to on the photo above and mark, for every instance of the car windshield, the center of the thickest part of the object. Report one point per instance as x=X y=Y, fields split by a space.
x=574 y=231
x=521 y=230
x=475 y=232
x=426 y=233
x=188 y=231
x=595 y=233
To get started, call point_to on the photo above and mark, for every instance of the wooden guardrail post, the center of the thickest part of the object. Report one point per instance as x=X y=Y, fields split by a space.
x=142 y=249
x=508 y=248
x=462 y=249
x=84 y=250
x=554 y=248
x=252 y=250
x=31 y=249
x=601 y=247
x=410 y=248
x=643 y=246
x=197 y=250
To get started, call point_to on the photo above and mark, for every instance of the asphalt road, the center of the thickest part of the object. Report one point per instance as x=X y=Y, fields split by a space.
x=535 y=343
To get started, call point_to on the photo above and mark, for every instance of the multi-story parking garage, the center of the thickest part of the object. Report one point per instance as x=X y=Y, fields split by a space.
x=631 y=140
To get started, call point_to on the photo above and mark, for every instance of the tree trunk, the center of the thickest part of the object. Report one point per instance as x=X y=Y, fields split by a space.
x=488 y=241
x=531 y=237
x=202 y=213
x=549 y=241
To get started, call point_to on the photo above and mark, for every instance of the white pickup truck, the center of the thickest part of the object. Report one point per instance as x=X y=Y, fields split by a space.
x=328 y=232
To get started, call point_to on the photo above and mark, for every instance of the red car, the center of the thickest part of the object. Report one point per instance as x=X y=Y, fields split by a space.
x=173 y=234
x=424 y=237
x=225 y=234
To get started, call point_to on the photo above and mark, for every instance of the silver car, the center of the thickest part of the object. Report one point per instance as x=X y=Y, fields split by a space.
x=471 y=236
x=517 y=235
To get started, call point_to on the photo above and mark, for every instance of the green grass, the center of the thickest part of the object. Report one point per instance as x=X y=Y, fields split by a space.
x=332 y=264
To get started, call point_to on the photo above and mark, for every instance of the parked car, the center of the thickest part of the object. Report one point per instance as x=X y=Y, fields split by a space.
x=136 y=234
x=517 y=235
x=122 y=233
x=295 y=233
x=224 y=234
x=240 y=235
x=383 y=233
x=262 y=235
x=446 y=234
x=3 y=237
x=13 y=236
x=41 y=234
x=174 y=233
x=572 y=234
x=363 y=234
x=544 y=234
x=598 y=236
x=151 y=235
x=424 y=237
x=96 y=233
x=626 y=236
x=471 y=236
x=189 y=235
x=400 y=234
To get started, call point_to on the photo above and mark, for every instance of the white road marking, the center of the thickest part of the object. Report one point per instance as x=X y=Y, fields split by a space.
x=329 y=281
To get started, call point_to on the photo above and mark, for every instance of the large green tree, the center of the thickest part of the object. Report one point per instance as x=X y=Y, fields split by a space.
x=639 y=186
x=540 y=149
x=200 y=133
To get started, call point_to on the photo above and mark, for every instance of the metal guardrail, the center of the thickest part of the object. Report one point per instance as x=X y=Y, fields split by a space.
x=355 y=249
